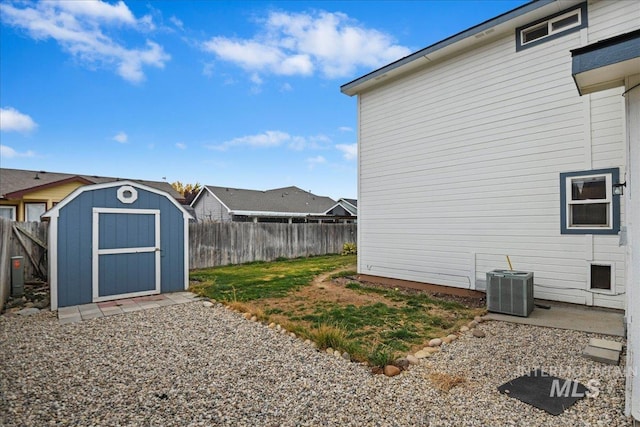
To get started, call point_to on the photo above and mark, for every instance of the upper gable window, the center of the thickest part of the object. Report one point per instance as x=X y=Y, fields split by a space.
x=553 y=26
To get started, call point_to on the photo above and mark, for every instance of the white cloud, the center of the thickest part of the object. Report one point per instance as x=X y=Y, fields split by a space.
x=99 y=10
x=269 y=138
x=121 y=137
x=312 y=162
x=13 y=120
x=256 y=79
x=207 y=70
x=275 y=138
x=9 y=153
x=80 y=28
x=349 y=151
x=311 y=142
x=301 y=43
x=345 y=129
x=178 y=23
x=286 y=88
x=181 y=145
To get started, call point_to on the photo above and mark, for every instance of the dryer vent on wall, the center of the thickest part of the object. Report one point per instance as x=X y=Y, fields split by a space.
x=510 y=292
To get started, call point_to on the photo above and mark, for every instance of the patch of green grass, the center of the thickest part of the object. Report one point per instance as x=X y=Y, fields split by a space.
x=346 y=273
x=259 y=280
x=413 y=299
x=376 y=332
x=396 y=328
x=401 y=334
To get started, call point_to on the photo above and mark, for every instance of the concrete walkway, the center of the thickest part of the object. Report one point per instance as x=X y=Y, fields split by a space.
x=571 y=316
x=78 y=313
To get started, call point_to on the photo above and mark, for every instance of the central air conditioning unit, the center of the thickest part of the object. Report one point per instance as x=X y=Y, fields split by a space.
x=510 y=292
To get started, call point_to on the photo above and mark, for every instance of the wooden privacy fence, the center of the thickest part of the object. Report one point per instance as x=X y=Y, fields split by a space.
x=25 y=239
x=214 y=244
x=210 y=245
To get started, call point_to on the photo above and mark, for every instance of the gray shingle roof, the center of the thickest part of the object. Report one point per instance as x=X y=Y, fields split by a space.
x=17 y=180
x=287 y=199
x=354 y=202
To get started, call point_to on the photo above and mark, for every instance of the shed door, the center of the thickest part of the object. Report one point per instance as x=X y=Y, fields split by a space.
x=126 y=253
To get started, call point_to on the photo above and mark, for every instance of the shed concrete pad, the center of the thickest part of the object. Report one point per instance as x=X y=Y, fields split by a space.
x=570 y=316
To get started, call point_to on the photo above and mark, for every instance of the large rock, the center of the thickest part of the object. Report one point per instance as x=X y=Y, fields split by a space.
x=478 y=333
x=207 y=304
x=435 y=342
x=452 y=337
x=402 y=363
x=464 y=329
x=431 y=350
x=44 y=303
x=421 y=354
x=391 y=371
x=28 y=311
x=413 y=359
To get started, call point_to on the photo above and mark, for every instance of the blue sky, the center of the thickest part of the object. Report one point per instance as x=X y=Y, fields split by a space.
x=238 y=94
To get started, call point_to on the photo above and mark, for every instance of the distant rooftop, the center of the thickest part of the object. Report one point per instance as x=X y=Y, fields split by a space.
x=286 y=199
x=15 y=182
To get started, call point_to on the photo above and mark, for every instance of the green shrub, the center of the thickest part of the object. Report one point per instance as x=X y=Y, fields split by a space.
x=349 y=249
x=381 y=356
x=326 y=336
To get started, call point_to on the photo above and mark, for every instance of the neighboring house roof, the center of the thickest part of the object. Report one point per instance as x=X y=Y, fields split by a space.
x=287 y=200
x=458 y=42
x=15 y=183
x=349 y=205
x=352 y=202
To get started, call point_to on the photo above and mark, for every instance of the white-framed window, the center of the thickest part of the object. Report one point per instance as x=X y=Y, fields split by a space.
x=588 y=205
x=565 y=22
x=601 y=276
x=8 y=212
x=33 y=211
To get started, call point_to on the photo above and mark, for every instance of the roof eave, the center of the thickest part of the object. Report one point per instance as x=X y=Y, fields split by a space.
x=606 y=64
x=463 y=40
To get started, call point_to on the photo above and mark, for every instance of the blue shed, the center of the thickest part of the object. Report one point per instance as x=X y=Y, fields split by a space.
x=116 y=240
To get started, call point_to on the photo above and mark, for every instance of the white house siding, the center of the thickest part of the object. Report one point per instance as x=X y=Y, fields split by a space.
x=606 y=20
x=608 y=148
x=460 y=164
x=209 y=208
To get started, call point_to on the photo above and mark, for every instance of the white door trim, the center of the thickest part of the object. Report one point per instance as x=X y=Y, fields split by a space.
x=96 y=252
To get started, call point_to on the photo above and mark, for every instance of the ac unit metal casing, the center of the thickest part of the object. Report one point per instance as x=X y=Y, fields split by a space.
x=510 y=292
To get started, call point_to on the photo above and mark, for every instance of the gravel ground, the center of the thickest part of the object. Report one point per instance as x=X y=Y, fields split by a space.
x=191 y=365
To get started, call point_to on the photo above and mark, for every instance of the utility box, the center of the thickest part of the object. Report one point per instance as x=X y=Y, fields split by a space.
x=17 y=276
x=510 y=292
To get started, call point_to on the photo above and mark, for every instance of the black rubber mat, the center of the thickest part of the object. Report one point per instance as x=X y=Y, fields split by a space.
x=544 y=391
